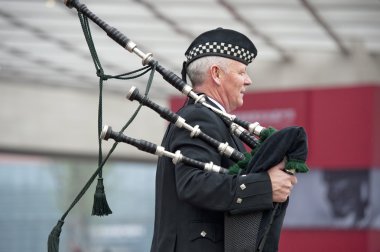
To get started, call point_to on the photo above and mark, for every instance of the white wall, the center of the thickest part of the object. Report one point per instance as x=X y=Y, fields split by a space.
x=316 y=70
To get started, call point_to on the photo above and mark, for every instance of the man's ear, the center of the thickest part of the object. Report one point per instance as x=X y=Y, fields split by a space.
x=215 y=73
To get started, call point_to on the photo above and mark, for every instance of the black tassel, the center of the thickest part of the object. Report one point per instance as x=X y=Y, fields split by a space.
x=53 y=241
x=100 y=207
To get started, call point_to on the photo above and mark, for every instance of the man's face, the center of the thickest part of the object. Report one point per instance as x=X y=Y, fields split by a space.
x=233 y=82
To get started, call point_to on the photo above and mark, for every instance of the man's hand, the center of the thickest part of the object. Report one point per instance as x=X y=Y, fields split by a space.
x=282 y=183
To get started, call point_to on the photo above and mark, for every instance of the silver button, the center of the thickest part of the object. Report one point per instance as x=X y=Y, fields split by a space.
x=239 y=200
x=242 y=186
x=203 y=233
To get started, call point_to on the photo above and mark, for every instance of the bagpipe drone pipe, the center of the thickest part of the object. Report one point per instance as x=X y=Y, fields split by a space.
x=271 y=148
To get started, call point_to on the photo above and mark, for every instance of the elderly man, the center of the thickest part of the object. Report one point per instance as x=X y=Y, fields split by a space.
x=191 y=203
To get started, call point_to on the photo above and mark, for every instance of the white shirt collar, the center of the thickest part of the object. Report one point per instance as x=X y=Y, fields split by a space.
x=217 y=104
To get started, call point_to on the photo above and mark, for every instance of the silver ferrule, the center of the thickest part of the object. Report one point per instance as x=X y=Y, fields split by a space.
x=177 y=157
x=209 y=166
x=212 y=168
x=258 y=130
x=252 y=126
x=201 y=99
x=160 y=151
x=146 y=57
x=192 y=95
x=225 y=149
x=104 y=133
x=168 y=154
x=195 y=131
x=180 y=122
x=130 y=46
x=186 y=90
x=130 y=92
x=236 y=129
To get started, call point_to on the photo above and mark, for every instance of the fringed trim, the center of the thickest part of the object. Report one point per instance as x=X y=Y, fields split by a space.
x=266 y=133
x=241 y=165
x=234 y=169
x=299 y=166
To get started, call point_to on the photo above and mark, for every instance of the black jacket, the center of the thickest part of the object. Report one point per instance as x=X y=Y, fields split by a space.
x=191 y=203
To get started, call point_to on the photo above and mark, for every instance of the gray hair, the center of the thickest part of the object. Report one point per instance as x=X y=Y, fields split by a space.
x=197 y=70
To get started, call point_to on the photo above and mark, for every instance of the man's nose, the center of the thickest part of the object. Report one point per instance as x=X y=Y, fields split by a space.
x=247 y=81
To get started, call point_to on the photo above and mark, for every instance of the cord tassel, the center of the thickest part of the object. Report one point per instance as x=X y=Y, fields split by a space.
x=53 y=240
x=100 y=207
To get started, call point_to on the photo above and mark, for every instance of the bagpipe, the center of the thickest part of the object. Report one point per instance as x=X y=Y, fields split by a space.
x=268 y=148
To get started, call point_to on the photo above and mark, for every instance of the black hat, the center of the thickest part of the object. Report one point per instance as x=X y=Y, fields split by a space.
x=222 y=42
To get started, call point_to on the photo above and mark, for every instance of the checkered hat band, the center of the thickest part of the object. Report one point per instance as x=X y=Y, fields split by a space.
x=221 y=48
